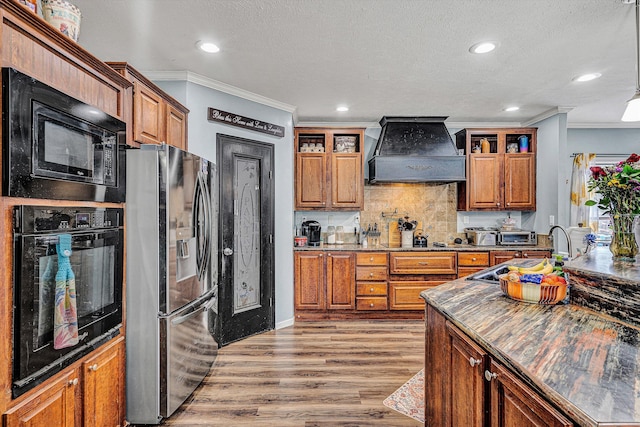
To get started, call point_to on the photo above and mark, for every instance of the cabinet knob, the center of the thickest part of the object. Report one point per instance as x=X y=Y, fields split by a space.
x=93 y=367
x=328 y=254
x=498 y=204
x=370 y=274
x=474 y=259
x=525 y=255
x=371 y=259
x=73 y=382
x=517 y=255
x=371 y=305
x=320 y=255
x=488 y=375
x=371 y=290
x=474 y=362
x=508 y=204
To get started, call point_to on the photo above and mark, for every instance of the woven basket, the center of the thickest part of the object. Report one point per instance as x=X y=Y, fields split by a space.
x=532 y=292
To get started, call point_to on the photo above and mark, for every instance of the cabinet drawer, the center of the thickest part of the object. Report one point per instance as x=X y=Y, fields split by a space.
x=473 y=259
x=465 y=271
x=371 y=273
x=371 y=303
x=406 y=295
x=371 y=258
x=423 y=263
x=372 y=288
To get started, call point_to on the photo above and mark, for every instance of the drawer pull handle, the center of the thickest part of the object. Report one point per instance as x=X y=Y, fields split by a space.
x=423 y=263
x=93 y=367
x=73 y=382
x=474 y=362
x=490 y=375
x=474 y=259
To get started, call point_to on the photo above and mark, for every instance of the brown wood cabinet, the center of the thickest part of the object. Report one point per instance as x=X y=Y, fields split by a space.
x=372 y=272
x=470 y=388
x=156 y=117
x=329 y=169
x=472 y=262
x=324 y=281
x=89 y=393
x=498 y=257
x=501 y=178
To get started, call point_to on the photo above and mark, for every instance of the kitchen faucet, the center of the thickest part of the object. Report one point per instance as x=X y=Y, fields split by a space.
x=565 y=235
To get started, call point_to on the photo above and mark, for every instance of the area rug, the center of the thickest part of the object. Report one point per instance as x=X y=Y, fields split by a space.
x=409 y=399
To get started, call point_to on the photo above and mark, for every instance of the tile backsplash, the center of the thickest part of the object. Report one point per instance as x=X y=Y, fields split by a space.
x=432 y=205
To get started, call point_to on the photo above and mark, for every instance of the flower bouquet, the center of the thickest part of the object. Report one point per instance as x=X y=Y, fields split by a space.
x=619 y=190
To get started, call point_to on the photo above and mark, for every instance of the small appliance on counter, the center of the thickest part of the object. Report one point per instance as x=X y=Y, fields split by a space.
x=482 y=236
x=517 y=237
x=313 y=231
x=419 y=240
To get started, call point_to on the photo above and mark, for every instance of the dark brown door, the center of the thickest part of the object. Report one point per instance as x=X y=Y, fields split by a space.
x=246 y=282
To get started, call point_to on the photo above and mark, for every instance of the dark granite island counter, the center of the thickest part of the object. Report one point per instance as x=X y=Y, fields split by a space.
x=584 y=362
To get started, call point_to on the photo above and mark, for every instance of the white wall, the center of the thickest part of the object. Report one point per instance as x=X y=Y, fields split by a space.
x=202 y=141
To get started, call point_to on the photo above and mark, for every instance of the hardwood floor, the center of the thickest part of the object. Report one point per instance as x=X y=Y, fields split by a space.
x=310 y=374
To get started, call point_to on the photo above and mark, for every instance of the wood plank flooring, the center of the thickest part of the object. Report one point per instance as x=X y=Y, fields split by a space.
x=330 y=373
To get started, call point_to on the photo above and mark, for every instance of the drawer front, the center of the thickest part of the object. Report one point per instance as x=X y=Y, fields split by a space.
x=423 y=263
x=473 y=259
x=371 y=303
x=371 y=273
x=371 y=258
x=466 y=271
x=406 y=295
x=373 y=288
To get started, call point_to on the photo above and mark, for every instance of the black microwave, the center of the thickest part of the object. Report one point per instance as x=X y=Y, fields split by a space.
x=57 y=147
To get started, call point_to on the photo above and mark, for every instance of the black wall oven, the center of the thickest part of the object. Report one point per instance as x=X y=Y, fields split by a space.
x=56 y=147
x=96 y=259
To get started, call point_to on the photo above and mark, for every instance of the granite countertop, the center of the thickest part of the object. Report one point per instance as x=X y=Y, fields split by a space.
x=584 y=361
x=452 y=247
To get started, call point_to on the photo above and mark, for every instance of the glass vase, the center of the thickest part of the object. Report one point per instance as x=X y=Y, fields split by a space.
x=623 y=240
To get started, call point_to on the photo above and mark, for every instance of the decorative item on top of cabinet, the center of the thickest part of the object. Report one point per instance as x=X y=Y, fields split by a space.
x=156 y=116
x=92 y=388
x=329 y=169
x=504 y=178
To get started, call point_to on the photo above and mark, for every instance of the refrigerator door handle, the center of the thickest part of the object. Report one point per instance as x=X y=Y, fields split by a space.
x=203 y=229
x=181 y=319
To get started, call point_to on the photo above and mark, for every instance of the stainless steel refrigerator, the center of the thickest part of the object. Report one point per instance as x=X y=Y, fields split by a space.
x=171 y=235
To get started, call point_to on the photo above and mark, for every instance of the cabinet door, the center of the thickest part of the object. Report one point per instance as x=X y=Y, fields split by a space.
x=485 y=181
x=176 y=127
x=468 y=402
x=54 y=405
x=514 y=404
x=341 y=288
x=520 y=181
x=309 y=280
x=311 y=180
x=148 y=115
x=103 y=386
x=347 y=183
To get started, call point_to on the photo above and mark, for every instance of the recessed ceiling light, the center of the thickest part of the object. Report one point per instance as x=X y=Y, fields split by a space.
x=483 y=47
x=342 y=108
x=586 y=77
x=510 y=109
x=208 y=47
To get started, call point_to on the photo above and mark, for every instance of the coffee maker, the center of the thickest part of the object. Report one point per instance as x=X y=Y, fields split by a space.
x=312 y=230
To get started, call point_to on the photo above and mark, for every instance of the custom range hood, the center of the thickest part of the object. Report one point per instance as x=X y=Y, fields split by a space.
x=415 y=149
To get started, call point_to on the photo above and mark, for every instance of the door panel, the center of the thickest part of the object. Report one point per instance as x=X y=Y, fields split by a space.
x=245 y=294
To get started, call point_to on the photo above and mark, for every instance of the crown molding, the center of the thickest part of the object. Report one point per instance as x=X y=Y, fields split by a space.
x=467 y=125
x=219 y=86
x=549 y=113
x=604 y=125
x=338 y=125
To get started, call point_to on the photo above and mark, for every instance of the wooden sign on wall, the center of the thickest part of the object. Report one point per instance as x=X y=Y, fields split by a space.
x=245 y=122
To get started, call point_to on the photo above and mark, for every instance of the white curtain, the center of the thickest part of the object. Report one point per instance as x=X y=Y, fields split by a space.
x=580 y=213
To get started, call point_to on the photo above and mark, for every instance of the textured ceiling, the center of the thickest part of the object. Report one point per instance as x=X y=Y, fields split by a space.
x=387 y=57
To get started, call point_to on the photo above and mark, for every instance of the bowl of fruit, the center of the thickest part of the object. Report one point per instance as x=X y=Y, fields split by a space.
x=539 y=284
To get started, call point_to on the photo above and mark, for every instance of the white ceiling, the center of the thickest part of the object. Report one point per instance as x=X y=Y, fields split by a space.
x=387 y=57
